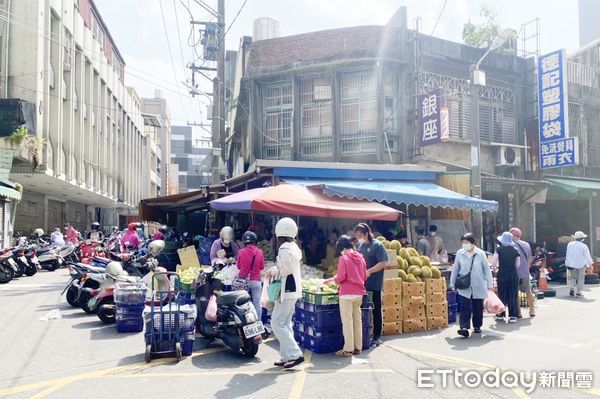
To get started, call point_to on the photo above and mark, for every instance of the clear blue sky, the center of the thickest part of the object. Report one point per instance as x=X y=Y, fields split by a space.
x=137 y=26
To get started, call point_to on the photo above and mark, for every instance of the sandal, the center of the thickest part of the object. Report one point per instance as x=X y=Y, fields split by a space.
x=357 y=351
x=343 y=353
x=292 y=363
x=280 y=363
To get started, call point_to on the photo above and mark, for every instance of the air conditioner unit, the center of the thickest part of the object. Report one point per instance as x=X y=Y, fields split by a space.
x=508 y=156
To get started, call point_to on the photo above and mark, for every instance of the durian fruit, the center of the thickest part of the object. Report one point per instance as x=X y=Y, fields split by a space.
x=412 y=252
x=402 y=274
x=425 y=259
x=404 y=253
x=395 y=245
x=410 y=278
x=400 y=262
x=386 y=244
x=415 y=260
x=381 y=238
x=419 y=279
x=435 y=272
x=414 y=270
x=426 y=272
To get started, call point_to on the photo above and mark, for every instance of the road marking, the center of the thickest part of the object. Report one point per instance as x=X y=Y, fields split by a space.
x=245 y=372
x=63 y=381
x=441 y=357
x=296 y=391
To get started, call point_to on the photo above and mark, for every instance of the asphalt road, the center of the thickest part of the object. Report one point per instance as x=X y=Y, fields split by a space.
x=79 y=356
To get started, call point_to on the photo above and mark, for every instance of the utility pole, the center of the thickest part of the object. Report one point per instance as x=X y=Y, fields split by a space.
x=218 y=117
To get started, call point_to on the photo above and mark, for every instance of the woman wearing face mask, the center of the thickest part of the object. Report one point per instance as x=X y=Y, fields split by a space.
x=226 y=243
x=472 y=261
x=376 y=258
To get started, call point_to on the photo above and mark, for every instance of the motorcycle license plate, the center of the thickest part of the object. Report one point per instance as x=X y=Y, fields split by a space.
x=35 y=260
x=254 y=329
x=13 y=264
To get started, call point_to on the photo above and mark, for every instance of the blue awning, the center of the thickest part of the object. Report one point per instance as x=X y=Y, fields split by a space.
x=399 y=192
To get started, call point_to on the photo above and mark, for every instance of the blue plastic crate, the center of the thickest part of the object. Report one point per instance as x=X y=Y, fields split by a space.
x=324 y=318
x=453 y=307
x=451 y=297
x=312 y=307
x=324 y=344
x=367 y=337
x=187 y=347
x=452 y=317
x=187 y=298
x=125 y=311
x=129 y=324
x=318 y=332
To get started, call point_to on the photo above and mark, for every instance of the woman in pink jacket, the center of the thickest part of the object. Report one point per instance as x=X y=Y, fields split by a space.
x=351 y=277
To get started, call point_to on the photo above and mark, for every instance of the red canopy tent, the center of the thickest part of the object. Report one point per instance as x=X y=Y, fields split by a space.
x=290 y=199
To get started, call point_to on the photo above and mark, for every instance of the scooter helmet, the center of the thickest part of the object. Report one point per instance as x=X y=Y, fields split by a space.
x=132 y=226
x=38 y=232
x=156 y=247
x=226 y=234
x=114 y=269
x=95 y=226
x=286 y=227
x=249 y=238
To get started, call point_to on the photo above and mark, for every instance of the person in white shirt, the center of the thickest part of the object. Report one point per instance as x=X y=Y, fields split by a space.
x=577 y=260
x=57 y=237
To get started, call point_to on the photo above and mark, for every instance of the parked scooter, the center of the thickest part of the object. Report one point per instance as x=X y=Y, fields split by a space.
x=103 y=301
x=82 y=276
x=49 y=257
x=7 y=268
x=237 y=323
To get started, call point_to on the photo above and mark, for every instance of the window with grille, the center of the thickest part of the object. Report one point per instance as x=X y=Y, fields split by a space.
x=68 y=50
x=359 y=113
x=316 y=131
x=277 y=121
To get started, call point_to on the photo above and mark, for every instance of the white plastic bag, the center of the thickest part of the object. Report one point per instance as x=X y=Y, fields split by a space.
x=265 y=302
x=54 y=314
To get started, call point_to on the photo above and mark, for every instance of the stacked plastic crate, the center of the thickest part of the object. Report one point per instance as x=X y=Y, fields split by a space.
x=318 y=324
x=170 y=320
x=452 y=299
x=129 y=306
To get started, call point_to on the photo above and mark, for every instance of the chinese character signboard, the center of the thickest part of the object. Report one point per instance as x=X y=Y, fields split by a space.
x=556 y=148
x=433 y=118
x=557 y=153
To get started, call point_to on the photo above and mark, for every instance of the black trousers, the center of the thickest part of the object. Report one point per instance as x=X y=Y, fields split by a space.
x=377 y=315
x=508 y=292
x=470 y=307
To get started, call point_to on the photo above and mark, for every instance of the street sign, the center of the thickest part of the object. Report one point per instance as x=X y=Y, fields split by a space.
x=556 y=148
x=433 y=118
x=559 y=153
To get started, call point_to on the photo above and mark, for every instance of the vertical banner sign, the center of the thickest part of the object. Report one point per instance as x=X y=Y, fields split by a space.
x=557 y=149
x=433 y=118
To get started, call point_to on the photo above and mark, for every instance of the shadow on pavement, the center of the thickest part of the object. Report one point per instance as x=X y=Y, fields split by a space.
x=508 y=327
x=243 y=384
x=459 y=343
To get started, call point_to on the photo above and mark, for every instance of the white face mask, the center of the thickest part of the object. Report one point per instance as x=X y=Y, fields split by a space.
x=361 y=241
x=432 y=234
x=467 y=247
x=226 y=241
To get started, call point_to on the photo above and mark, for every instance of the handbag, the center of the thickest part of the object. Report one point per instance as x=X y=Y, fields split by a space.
x=464 y=282
x=243 y=283
x=274 y=290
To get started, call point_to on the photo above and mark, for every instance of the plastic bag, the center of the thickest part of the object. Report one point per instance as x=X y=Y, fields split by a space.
x=274 y=290
x=228 y=274
x=211 y=309
x=493 y=304
x=265 y=302
x=54 y=314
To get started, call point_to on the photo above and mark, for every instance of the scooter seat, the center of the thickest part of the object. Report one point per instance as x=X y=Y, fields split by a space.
x=233 y=298
x=43 y=251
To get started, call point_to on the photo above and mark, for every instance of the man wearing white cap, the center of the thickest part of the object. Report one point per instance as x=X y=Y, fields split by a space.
x=578 y=258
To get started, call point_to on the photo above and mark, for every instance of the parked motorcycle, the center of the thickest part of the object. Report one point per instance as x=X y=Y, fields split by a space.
x=237 y=323
x=7 y=268
x=49 y=257
x=103 y=301
x=83 y=277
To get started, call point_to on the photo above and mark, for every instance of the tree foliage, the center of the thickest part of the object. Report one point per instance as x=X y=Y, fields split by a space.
x=482 y=35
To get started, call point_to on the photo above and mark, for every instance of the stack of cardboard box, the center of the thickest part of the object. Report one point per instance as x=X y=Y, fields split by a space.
x=392 y=306
x=436 y=304
x=413 y=307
